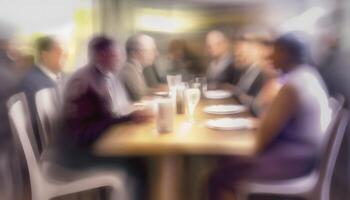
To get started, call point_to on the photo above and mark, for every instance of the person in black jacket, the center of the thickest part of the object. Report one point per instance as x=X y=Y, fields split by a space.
x=46 y=73
x=221 y=69
x=91 y=101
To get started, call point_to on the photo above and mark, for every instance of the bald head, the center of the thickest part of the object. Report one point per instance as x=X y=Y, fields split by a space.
x=142 y=48
x=216 y=44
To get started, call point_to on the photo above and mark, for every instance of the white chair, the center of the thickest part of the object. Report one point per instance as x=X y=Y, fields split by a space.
x=43 y=184
x=316 y=185
x=48 y=107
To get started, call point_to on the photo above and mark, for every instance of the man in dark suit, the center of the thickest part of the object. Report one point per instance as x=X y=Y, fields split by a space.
x=47 y=73
x=221 y=69
x=91 y=101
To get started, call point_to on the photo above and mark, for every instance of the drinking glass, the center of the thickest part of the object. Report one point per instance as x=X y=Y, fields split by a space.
x=165 y=115
x=192 y=98
x=173 y=81
x=202 y=81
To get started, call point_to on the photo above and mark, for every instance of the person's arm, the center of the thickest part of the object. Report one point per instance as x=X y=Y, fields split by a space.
x=246 y=99
x=85 y=115
x=266 y=96
x=277 y=116
x=134 y=86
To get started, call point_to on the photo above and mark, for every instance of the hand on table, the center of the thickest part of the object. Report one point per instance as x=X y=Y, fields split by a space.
x=162 y=88
x=246 y=99
x=142 y=115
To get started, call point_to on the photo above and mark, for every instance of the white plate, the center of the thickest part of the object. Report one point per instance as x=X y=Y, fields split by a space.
x=163 y=94
x=224 y=109
x=218 y=94
x=229 y=124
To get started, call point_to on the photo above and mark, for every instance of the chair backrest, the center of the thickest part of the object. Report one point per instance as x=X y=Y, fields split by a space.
x=331 y=149
x=22 y=131
x=47 y=105
x=336 y=103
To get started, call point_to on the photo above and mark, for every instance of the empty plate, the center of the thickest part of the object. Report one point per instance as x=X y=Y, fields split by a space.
x=229 y=124
x=218 y=94
x=224 y=109
x=161 y=93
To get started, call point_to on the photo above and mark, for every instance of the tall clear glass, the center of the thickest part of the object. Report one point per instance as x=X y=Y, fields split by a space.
x=202 y=82
x=165 y=115
x=173 y=81
x=192 y=98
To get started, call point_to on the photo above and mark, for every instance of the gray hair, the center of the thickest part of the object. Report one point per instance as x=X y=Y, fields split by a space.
x=137 y=42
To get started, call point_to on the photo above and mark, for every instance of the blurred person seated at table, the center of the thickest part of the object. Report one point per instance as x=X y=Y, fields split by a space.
x=221 y=67
x=9 y=79
x=289 y=133
x=12 y=168
x=46 y=73
x=258 y=83
x=141 y=53
x=182 y=60
x=95 y=98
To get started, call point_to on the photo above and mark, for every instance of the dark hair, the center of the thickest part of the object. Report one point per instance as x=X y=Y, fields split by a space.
x=295 y=47
x=99 y=43
x=44 y=43
x=181 y=44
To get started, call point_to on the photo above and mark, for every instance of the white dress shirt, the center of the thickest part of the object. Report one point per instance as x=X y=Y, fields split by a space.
x=56 y=77
x=120 y=103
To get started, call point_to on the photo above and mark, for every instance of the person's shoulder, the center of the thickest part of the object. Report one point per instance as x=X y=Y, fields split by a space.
x=32 y=73
x=82 y=73
x=128 y=66
x=81 y=78
x=127 y=69
x=32 y=77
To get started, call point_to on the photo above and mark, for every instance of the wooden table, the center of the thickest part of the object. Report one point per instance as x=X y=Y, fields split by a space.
x=187 y=138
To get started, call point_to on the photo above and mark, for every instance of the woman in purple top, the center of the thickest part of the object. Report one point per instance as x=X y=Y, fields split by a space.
x=289 y=132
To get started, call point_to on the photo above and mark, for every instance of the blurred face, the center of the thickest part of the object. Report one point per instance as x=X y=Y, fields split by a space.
x=245 y=53
x=109 y=59
x=265 y=54
x=216 y=45
x=53 y=58
x=147 y=54
x=280 y=58
x=176 y=52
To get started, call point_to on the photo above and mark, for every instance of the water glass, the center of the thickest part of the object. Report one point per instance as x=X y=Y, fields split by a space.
x=165 y=115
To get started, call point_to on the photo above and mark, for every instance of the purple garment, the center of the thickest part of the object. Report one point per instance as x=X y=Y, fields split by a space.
x=87 y=106
x=293 y=152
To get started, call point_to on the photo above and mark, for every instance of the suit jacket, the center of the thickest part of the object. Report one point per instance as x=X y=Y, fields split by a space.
x=34 y=81
x=230 y=74
x=151 y=76
x=9 y=80
x=252 y=81
x=134 y=81
x=87 y=106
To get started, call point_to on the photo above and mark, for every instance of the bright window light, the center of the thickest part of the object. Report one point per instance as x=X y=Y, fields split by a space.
x=164 y=21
